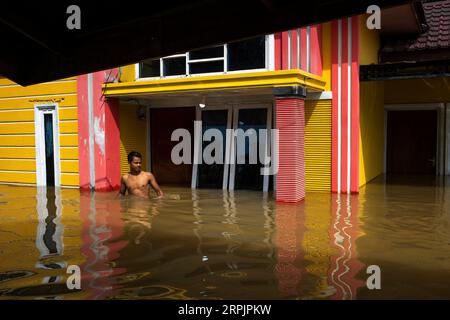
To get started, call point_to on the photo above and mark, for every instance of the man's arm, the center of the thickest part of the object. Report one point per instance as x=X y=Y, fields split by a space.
x=154 y=184
x=123 y=186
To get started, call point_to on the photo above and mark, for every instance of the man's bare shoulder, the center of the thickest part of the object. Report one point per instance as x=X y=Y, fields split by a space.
x=148 y=174
x=125 y=177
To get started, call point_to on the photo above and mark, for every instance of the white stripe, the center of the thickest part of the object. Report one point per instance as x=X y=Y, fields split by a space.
x=90 y=89
x=289 y=50
x=349 y=102
x=339 y=97
x=61 y=95
x=18 y=184
x=51 y=82
x=16 y=122
x=308 y=49
x=19 y=171
x=299 y=55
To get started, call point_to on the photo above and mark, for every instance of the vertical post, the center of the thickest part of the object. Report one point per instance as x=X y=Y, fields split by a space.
x=290 y=122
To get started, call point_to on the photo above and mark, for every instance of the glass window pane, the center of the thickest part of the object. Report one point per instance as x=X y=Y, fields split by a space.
x=205 y=67
x=174 y=66
x=248 y=176
x=214 y=52
x=211 y=176
x=149 y=68
x=247 y=54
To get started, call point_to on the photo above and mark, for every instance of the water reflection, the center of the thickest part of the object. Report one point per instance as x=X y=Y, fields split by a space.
x=214 y=244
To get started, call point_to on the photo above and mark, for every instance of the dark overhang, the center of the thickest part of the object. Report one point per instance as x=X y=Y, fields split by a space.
x=405 y=70
x=37 y=46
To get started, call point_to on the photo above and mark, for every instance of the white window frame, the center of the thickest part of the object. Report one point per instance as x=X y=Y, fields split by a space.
x=41 y=170
x=198 y=144
x=233 y=151
x=269 y=63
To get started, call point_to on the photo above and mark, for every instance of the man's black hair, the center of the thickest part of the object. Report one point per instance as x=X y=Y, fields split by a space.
x=133 y=154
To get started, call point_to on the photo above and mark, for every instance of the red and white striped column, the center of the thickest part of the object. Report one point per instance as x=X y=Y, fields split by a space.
x=345 y=113
x=290 y=122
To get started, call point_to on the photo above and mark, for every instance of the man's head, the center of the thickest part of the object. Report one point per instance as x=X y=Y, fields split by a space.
x=135 y=161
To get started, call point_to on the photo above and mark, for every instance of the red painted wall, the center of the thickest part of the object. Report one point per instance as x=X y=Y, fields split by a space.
x=83 y=132
x=282 y=48
x=106 y=135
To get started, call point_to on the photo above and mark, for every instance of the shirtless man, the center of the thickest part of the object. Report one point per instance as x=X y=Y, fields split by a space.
x=137 y=181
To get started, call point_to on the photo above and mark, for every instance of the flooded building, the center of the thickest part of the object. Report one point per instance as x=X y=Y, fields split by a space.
x=338 y=93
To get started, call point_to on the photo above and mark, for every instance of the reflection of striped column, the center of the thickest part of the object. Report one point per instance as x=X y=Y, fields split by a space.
x=345 y=87
x=290 y=121
x=289 y=222
x=344 y=231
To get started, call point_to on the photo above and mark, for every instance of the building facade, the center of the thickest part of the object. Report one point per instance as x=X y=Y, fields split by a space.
x=326 y=88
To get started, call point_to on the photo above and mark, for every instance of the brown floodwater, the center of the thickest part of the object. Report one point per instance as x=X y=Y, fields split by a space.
x=210 y=244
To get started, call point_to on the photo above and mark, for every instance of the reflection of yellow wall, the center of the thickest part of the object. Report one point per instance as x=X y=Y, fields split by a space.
x=371 y=146
x=19 y=227
x=316 y=242
x=318 y=145
x=133 y=133
x=417 y=90
x=17 y=131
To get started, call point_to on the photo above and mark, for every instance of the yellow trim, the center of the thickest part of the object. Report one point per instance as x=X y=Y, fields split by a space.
x=18 y=153
x=24 y=165
x=69 y=166
x=18 y=177
x=30 y=102
x=70 y=179
x=279 y=78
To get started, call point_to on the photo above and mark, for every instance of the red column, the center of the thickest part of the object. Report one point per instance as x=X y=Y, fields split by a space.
x=290 y=122
x=103 y=131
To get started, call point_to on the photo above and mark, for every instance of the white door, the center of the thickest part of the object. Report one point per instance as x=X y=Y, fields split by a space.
x=47 y=145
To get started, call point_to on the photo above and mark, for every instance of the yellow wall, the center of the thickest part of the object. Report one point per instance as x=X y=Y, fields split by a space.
x=417 y=90
x=133 y=133
x=318 y=145
x=369 y=43
x=371 y=146
x=371 y=132
x=17 y=130
x=326 y=54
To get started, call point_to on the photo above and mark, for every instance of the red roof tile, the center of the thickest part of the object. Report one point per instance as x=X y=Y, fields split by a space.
x=436 y=37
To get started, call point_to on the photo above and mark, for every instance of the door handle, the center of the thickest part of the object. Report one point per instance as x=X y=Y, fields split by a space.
x=433 y=161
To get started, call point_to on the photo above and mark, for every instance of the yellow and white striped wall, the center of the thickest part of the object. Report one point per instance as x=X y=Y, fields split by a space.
x=17 y=130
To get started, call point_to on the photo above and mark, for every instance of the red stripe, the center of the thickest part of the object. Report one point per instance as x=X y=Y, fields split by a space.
x=303 y=49
x=344 y=105
x=294 y=52
x=277 y=37
x=334 y=113
x=355 y=105
x=316 y=59
x=284 y=50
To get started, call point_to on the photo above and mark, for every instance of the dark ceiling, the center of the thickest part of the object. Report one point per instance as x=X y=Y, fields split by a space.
x=37 y=46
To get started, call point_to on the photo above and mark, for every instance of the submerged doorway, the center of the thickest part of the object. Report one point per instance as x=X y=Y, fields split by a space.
x=250 y=118
x=412 y=142
x=163 y=121
x=47 y=145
